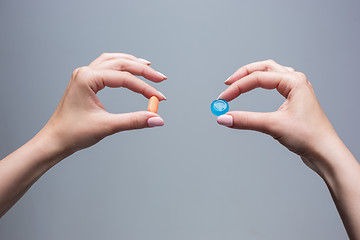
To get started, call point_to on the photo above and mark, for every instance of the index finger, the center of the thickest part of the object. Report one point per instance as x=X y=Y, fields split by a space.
x=268 y=65
x=116 y=79
x=109 y=56
x=266 y=80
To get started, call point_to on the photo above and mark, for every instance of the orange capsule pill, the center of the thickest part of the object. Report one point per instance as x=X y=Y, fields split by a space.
x=153 y=104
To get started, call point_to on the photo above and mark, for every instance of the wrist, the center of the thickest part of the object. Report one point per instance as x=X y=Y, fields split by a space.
x=341 y=173
x=331 y=158
x=49 y=147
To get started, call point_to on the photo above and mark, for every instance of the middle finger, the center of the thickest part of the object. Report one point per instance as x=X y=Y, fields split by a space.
x=132 y=67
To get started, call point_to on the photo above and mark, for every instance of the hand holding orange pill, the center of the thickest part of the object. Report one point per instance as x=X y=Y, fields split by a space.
x=80 y=101
x=80 y=121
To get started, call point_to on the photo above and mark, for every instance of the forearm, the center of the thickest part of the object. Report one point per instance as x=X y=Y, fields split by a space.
x=300 y=125
x=344 y=187
x=341 y=172
x=80 y=121
x=22 y=168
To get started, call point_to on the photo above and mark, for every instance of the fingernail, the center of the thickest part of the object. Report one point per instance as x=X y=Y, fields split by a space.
x=220 y=95
x=155 y=122
x=162 y=95
x=225 y=120
x=144 y=61
x=227 y=79
x=162 y=75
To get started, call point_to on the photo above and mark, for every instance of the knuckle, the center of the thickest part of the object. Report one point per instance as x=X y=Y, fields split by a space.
x=301 y=78
x=271 y=125
x=75 y=72
x=82 y=73
x=125 y=79
x=242 y=121
x=128 y=56
x=255 y=74
x=144 y=70
x=269 y=64
x=104 y=54
x=256 y=78
x=127 y=75
x=270 y=61
x=107 y=126
x=122 y=64
x=301 y=75
x=83 y=70
x=264 y=125
x=135 y=122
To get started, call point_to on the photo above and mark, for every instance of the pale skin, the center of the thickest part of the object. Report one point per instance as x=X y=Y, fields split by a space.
x=300 y=125
x=81 y=121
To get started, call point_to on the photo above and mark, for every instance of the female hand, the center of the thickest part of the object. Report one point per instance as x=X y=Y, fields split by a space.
x=299 y=124
x=80 y=119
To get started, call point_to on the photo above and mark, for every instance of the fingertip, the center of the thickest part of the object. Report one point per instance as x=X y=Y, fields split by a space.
x=227 y=81
x=161 y=75
x=226 y=120
x=162 y=96
x=154 y=75
x=224 y=96
x=158 y=95
x=155 y=122
x=144 y=61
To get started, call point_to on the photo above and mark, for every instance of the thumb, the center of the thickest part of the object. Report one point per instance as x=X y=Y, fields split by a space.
x=133 y=120
x=260 y=122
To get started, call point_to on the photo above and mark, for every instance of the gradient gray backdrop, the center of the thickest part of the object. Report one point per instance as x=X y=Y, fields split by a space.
x=191 y=179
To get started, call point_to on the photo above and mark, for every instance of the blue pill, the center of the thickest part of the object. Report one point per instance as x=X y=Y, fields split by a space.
x=219 y=107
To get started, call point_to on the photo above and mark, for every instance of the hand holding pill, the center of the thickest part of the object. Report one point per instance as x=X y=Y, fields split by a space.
x=300 y=117
x=80 y=119
x=300 y=125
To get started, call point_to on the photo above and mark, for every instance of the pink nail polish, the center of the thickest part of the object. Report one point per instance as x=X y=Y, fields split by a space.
x=155 y=122
x=225 y=120
x=162 y=95
x=162 y=75
x=144 y=61
x=220 y=95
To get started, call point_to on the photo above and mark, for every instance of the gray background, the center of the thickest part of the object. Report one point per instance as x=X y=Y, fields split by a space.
x=191 y=179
